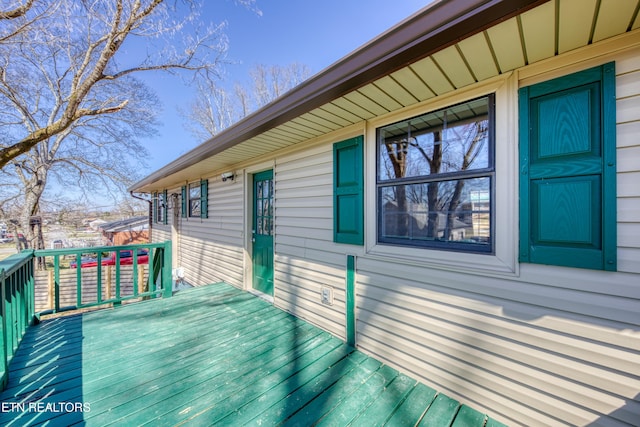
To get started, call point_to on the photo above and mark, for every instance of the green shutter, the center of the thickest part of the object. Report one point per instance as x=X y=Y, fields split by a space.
x=183 y=211
x=165 y=208
x=154 y=214
x=568 y=174
x=348 y=187
x=204 y=198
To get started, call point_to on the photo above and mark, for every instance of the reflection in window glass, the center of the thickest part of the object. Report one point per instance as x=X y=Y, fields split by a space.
x=194 y=199
x=435 y=176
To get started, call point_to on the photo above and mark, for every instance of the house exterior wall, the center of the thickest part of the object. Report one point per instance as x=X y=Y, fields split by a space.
x=209 y=250
x=529 y=344
x=130 y=237
x=306 y=259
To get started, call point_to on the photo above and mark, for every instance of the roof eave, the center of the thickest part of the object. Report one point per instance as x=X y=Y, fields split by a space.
x=435 y=27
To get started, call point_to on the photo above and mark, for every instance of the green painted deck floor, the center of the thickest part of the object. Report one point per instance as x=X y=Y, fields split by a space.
x=209 y=356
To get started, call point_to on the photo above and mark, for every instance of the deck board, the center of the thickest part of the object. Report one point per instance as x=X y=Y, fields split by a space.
x=212 y=355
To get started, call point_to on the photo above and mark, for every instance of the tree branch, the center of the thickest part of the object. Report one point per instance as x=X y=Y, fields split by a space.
x=17 y=12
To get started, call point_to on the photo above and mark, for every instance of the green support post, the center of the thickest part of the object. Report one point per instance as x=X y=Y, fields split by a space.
x=167 y=283
x=351 y=300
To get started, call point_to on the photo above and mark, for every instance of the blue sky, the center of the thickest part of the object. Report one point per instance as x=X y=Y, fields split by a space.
x=314 y=33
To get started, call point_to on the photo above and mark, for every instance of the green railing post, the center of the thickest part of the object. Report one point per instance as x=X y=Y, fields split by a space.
x=17 y=305
x=3 y=314
x=56 y=283
x=167 y=282
x=158 y=258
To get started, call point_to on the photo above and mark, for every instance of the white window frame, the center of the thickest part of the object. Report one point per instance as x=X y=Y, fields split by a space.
x=504 y=257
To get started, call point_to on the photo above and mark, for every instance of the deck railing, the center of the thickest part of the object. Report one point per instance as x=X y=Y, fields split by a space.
x=100 y=279
x=16 y=306
x=94 y=282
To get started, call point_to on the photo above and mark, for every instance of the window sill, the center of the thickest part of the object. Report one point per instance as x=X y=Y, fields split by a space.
x=459 y=262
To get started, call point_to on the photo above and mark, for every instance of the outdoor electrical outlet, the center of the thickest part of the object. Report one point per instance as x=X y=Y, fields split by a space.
x=327 y=295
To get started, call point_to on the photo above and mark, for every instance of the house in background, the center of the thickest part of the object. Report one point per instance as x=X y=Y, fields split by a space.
x=459 y=198
x=129 y=231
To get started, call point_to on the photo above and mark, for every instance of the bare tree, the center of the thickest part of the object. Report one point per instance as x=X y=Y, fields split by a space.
x=96 y=46
x=71 y=108
x=215 y=108
x=270 y=82
x=431 y=157
x=15 y=9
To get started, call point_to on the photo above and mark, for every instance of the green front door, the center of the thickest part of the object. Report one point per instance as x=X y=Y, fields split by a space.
x=263 y=232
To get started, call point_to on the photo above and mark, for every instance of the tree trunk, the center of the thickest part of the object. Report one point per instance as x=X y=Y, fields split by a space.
x=432 y=187
x=34 y=188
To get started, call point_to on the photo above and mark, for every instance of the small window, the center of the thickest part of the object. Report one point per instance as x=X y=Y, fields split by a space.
x=160 y=207
x=435 y=178
x=195 y=199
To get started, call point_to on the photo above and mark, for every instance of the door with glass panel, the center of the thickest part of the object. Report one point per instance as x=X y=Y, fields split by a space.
x=262 y=232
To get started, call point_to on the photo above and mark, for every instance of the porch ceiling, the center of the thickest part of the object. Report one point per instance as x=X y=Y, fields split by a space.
x=510 y=37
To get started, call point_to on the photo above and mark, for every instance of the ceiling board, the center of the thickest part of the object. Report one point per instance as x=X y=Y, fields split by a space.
x=577 y=18
x=391 y=86
x=614 y=17
x=538 y=29
x=280 y=136
x=266 y=139
x=328 y=125
x=297 y=133
x=413 y=84
x=313 y=124
x=479 y=57
x=382 y=98
x=449 y=59
x=338 y=111
x=348 y=105
x=507 y=45
x=360 y=99
x=432 y=76
x=331 y=117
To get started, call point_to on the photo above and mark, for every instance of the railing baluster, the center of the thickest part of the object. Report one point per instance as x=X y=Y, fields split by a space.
x=156 y=283
x=151 y=279
x=167 y=284
x=118 y=297
x=78 y=280
x=99 y=278
x=134 y=272
x=56 y=283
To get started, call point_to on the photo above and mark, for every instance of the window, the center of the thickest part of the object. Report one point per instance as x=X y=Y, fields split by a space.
x=195 y=199
x=348 y=186
x=568 y=174
x=435 y=178
x=160 y=207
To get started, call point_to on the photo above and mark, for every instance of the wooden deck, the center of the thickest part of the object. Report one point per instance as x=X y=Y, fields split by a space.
x=209 y=356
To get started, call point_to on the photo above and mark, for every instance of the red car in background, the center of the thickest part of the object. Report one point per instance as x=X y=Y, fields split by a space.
x=126 y=258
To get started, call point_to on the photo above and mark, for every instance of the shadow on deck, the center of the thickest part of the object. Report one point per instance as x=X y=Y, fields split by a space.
x=209 y=356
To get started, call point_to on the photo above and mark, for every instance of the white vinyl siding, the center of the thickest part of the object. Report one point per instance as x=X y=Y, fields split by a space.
x=549 y=346
x=210 y=249
x=545 y=346
x=540 y=345
x=628 y=129
x=306 y=259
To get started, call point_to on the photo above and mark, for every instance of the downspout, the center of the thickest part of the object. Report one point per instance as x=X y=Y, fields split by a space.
x=149 y=213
